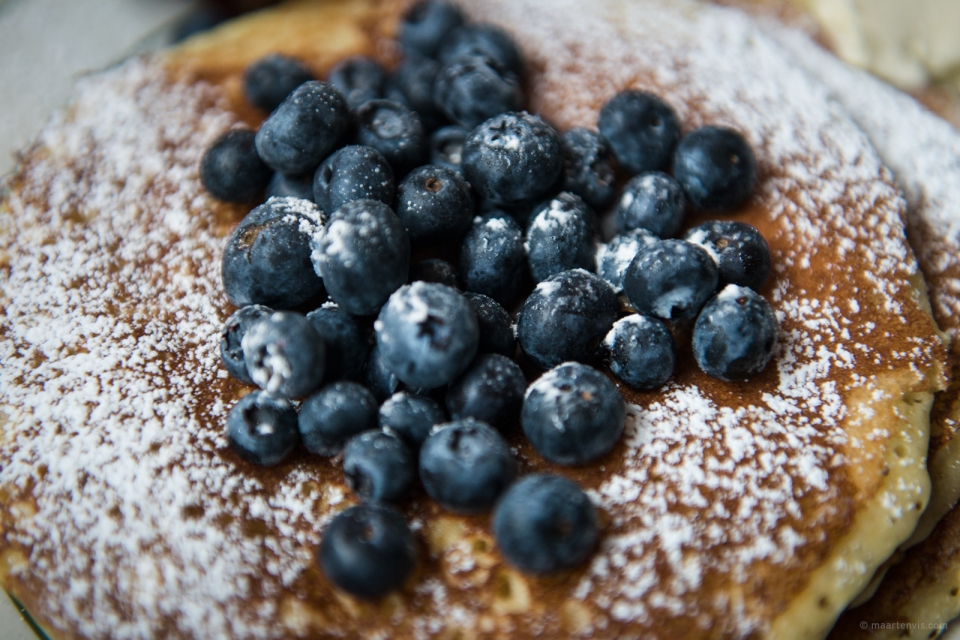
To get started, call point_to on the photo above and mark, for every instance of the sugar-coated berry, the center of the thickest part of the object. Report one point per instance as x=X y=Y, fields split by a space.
x=716 y=167
x=735 y=335
x=496 y=327
x=268 y=81
x=573 y=414
x=413 y=84
x=425 y=24
x=283 y=186
x=284 y=354
x=493 y=258
x=367 y=550
x=381 y=382
x=491 y=391
x=587 y=166
x=231 y=170
x=446 y=146
x=231 y=338
x=355 y=172
x=652 y=201
x=561 y=236
x=741 y=251
x=670 y=279
x=335 y=414
x=641 y=351
x=435 y=204
x=614 y=257
x=348 y=342
x=378 y=466
x=359 y=79
x=410 y=416
x=471 y=90
x=435 y=270
x=465 y=465
x=544 y=524
x=393 y=130
x=262 y=428
x=485 y=41
x=642 y=130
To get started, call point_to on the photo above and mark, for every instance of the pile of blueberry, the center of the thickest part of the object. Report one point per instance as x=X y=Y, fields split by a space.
x=407 y=371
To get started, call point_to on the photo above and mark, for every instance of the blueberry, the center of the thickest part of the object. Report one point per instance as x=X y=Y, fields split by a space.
x=231 y=170
x=641 y=351
x=363 y=255
x=262 y=428
x=642 y=130
x=471 y=90
x=512 y=158
x=283 y=186
x=482 y=40
x=492 y=258
x=427 y=334
x=231 y=349
x=335 y=414
x=359 y=79
x=393 y=130
x=615 y=256
x=716 y=167
x=347 y=341
x=573 y=414
x=410 y=416
x=566 y=317
x=446 y=146
x=434 y=270
x=381 y=382
x=652 y=201
x=491 y=391
x=367 y=550
x=353 y=173
x=266 y=259
x=496 y=328
x=735 y=334
x=561 y=236
x=587 y=168
x=268 y=81
x=414 y=79
x=284 y=354
x=670 y=279
x=465 y=465
x=741 y=252
x=434 y=203
x=425 y=24
x=544 y=524
x=378 y=466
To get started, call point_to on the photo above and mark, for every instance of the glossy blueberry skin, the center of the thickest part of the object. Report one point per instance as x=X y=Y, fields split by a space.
x=393 y=130
x=266 y=259
x=642 y=130
x=304 y=129
x=410 y=416
x=641 y=351
x=736 y=334
x=716 y=167
x=491 y=391
x=347 y=341
x=359 y=79
x=231 y=170
x=335 y=414
x=363 y=256
x=496 y=327
x=565 y=318
x=573 y=414
x=561 y=236
x=262 y=428
x=493 y=258
x=588 y=167
x=268 y=81
x=544 y=524
x=284 y=354
x=283 y=186
x=352 y=173
x=614 y=257
x=434 y=270
x=670 y=279
x=414 y=80
x=512 y=158
x=231 y=338
x=741 y=251
x=653 y=201
x=435 y=204
x=427 y=334
x=367 y=550
x=446 y=146
x=381 y=382
x=465 y=465
x=471 y=90
x=425 y=24
x=483 y=41
x=378 y=466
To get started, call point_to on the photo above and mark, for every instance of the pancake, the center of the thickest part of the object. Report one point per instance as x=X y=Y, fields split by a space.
x=754 y=509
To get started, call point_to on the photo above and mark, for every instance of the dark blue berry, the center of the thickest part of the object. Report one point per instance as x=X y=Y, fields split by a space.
x=284 y=354
x=434 y=203
x=446 y=146
x=587 y=167
x=268 y=81
x=353 y=173
x=414 y=80
x=283 y=186
x=471 y=90
x=512 y=158
x=304 y=129
x=670 y=279
x=573 y=414
x=652 y=201
x=641 y=351
x=642 y=130
x=561 y=236
x=425 y=24
x=465 y=465
x=197 y=20
x=378 y=466
x=363 y=256
x=484 y=41
x=615 y=256
x=427 y=334
x=492 y=258
x=347 y=341
x=267 y=256
x=496 y=328
x=231 y=339
x=566 y=317
x=368 y=551
x=262 y=428
x=434 y=270
x=335 y=414
x=410 y=416
x=491 y=391
x=359 y=79
x=544 y=524
x=735 y=334
x=231 y=170
x=381 y=382
x=741 y=251
x=716 y=168
x=393 y=130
